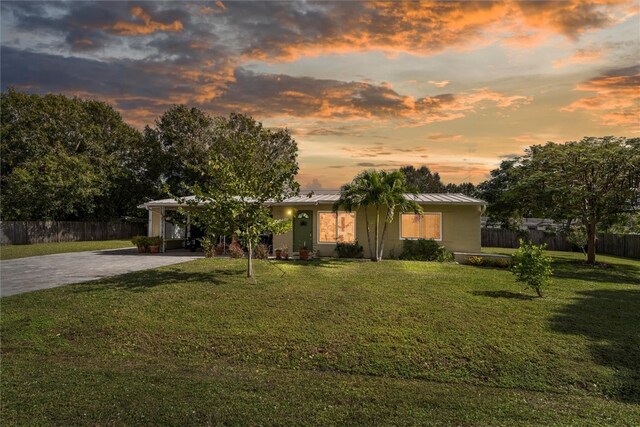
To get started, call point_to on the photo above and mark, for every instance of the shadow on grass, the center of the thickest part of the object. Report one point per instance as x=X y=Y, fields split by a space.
x=322 y=262
x=143 y=280
x=503 y=294
x=611 y=320
x=614 y=273
x=134 y=252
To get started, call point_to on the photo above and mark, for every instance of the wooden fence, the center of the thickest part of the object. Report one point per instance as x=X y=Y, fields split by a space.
x=607 y=244
x=25 y=232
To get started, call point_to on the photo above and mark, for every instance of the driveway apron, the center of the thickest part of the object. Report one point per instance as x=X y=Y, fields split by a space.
x=50 y=271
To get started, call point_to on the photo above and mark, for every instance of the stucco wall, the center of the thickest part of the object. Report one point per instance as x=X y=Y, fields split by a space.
x=460 y=228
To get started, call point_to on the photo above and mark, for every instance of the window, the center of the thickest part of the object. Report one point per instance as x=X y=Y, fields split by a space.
x=425 y=226
x=334 y=227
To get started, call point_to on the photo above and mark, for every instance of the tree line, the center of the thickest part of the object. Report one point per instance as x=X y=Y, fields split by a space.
x=72 y=159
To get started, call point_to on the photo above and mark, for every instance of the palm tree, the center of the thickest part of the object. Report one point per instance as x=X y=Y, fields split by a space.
x=381 y=190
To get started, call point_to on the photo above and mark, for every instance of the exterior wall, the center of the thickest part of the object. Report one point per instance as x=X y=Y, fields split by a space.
x=460 y=228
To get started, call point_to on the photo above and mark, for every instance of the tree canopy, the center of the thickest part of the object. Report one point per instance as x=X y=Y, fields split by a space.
x=71 y=159
x=185 y=136
x=422 y=180
x=245 y=166
x=595 y=181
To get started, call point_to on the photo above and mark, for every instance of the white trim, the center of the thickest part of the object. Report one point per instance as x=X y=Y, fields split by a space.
x=355 y=229
x=423 y=213
x=150 y=223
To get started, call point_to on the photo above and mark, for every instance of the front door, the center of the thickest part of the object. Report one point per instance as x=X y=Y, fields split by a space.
x=303 y=230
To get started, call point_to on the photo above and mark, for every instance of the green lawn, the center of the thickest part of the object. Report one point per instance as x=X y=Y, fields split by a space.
x=22 y=251
x=327 y=342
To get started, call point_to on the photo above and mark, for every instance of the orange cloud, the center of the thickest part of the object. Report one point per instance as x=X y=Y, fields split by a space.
x=208 y=10
x=148 y=25
x=427 y=27
x=440 y=136
x=270 y=95
x=469 y=101
x=617 y=97
x=581 y=56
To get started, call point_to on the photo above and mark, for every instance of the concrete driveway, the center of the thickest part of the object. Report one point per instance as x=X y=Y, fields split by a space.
x=50 y=271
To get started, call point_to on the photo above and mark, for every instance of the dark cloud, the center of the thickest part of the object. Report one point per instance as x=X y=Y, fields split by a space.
x=270 y=95
x=71 y=74
x=277 y=30
x=151 y=54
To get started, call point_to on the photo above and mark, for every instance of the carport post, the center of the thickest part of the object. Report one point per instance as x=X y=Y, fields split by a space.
x=150 y=224
x=162 y=226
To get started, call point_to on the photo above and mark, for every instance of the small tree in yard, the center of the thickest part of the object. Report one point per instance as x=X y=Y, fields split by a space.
x=577 y=236
x=532 y=266
x=246 y=166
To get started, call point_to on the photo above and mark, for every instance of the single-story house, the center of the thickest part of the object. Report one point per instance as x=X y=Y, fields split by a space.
x=452 y=219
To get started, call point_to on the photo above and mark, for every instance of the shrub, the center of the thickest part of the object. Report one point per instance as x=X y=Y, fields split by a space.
x=445 y=256
x=349 y=250
x=477 y=261
x=500 y=262
x=480 y=261
x=154 y=241
x=262 y=251
x=424 y=250
x=140 y=241
x=532 y=266
x=208 y=246
x=235 y=250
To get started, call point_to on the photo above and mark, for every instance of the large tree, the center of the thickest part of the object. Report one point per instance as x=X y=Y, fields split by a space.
x=245 y=167
x=380 y=191
x=185 y=136
x=595 y=181
x=71 y=159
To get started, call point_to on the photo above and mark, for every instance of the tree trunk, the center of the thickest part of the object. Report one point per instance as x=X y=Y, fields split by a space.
x=591 y=242
x=384 y=232
x=366 y=220
x=249 y=260
x=374 y=257
x=539 y=292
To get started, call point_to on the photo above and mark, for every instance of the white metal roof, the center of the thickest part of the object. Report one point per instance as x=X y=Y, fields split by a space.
x=329 y=197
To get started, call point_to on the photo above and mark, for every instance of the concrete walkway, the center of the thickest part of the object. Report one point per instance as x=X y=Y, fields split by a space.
x=50 y=271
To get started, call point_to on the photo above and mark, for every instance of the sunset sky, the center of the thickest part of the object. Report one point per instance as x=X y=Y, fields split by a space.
x=457 y=86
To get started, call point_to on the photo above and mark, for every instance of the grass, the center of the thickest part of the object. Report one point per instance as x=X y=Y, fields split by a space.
x=22 y=251
x=327 y=342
